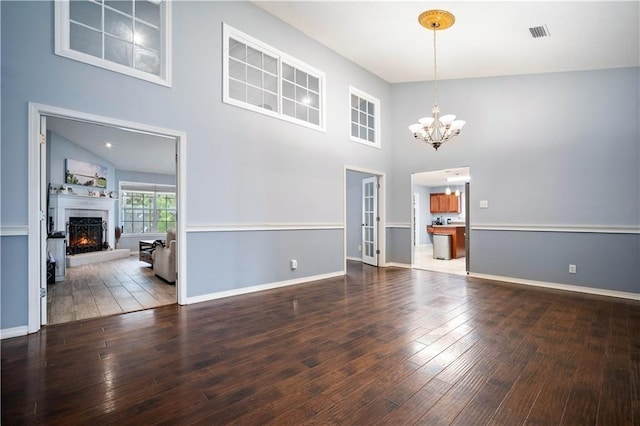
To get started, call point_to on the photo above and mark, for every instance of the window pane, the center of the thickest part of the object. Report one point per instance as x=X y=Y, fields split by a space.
x=147 y=60
x=84 y=40
x=125 y=6
x=237 y=90
x=270 y=82
x=87 y=13
x=354 y=115
x=314 y=84
x=363 y=118
x=301 y=95
x=314 y=116
x=354 y=101
x=254 y=76
x=254 y=57
x=270 y=64
x=301 y=112
x=363 y=133
x=237 y=70
x=372 y=135
x=314 y=100
x=370 y=108
x=288 y=90
x=363 y=105
x=354 y=130
x=148 y=12
x=288 y=72
x=118 y=25
x=254 y=96
x=147 y=36
x=270 y=101
x=288 y=108
x=301 y=78
x=237 y=50
x=118 y=51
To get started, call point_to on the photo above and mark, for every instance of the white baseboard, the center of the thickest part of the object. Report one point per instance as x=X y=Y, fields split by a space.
x=398 y=265
x=557 y=286
x=8 y=333
x=357 y=259
x=261 y=287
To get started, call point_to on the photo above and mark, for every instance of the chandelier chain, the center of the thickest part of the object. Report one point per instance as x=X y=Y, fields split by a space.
x=435 y=68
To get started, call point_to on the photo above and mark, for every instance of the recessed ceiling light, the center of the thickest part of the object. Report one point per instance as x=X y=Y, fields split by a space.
x=108 y=145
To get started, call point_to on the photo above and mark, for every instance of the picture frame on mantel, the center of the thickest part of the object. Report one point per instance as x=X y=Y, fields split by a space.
x=85 y=174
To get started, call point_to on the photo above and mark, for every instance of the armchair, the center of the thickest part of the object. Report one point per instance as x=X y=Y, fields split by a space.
x=164 y=258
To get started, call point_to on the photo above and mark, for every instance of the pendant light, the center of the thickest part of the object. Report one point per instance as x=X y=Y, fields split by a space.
x=436 y=130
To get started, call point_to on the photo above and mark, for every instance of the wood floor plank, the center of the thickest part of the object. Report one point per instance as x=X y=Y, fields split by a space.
x=378 y=346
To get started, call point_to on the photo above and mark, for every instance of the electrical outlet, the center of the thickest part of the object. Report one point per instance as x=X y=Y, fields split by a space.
x=484 y=204
x=293 y=263
x=359 y=247
x=572 y=269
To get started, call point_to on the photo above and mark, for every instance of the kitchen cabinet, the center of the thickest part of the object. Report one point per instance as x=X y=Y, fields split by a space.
x=443 y=203
x=458 y=247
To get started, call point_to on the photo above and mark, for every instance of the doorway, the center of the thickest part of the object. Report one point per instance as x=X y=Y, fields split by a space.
x=441 y=229
x=126 y=137
x=364 y=216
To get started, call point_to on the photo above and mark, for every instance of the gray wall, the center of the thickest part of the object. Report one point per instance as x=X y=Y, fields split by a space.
x=60 y=149
x=242 y=167
x=235 y=260
x=555 y=149
x=13 y=291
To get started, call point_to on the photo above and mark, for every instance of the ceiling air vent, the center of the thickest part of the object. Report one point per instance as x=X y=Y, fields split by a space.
x=542 y=31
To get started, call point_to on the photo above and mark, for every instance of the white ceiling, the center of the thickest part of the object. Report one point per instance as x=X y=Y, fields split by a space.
x=487 y=39
x=439 y=178
x=129 y=150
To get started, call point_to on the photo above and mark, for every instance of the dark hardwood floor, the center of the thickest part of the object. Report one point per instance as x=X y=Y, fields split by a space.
x=379 y=346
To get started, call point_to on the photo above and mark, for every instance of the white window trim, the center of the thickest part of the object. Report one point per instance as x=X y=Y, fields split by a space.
x=62 y=47
x=229 y=31
x=375 y=101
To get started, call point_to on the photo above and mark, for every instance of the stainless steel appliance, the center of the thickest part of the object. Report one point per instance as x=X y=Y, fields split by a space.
x=441 y=246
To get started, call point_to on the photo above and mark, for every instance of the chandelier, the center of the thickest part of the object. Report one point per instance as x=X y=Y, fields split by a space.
x=436 y=130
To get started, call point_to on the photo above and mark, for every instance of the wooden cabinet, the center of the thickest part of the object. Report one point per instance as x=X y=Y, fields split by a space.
x=443 y=203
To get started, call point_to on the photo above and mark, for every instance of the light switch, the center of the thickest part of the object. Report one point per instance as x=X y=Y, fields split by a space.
x=484 y=204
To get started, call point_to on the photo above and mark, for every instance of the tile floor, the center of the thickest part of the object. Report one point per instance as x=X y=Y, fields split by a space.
x=107 y=288
x=423 y=259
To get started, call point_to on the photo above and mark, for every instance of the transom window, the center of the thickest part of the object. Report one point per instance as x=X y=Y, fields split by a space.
x=365 y=118
x=147 y=208
x=126 y=36
x=261 y=78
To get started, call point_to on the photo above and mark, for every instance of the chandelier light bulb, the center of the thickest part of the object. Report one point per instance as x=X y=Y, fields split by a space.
x=448 y=191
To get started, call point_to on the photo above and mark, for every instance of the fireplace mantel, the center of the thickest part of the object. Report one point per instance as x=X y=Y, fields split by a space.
x=59 y=204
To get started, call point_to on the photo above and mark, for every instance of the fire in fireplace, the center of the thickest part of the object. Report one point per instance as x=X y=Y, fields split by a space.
x=86 y=234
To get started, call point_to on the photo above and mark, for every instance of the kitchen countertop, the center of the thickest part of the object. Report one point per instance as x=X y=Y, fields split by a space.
x=452 y=225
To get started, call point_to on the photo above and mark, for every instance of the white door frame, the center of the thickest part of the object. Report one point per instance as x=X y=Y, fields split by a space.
x=416 y=220
x=382 y=226
x=35 y=188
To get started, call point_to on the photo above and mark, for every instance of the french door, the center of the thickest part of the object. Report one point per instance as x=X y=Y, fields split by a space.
x=370 y=221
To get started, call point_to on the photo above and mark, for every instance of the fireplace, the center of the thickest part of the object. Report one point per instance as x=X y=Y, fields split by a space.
x=86 y=234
